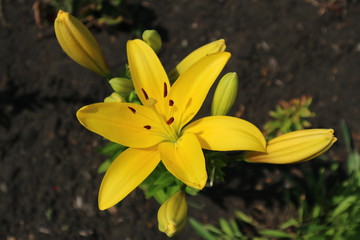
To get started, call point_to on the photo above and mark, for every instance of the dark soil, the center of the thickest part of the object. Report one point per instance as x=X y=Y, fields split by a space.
x=48 y=162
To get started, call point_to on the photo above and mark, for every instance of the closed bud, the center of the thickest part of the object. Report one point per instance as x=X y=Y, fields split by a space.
x=122 y=86
x=297 y=146
x=153 y=39
x=114 y=97
x=225 y=94
x=172 y=214
x=79 y=44
x=195 y=56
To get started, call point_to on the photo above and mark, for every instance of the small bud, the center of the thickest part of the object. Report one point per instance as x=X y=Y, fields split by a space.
x=297 y=146
x=79 y=44
x=172 y=214
x=122 y=85
x=153 y=39
x=114 y=97
x=195 y=56
x=225 y=94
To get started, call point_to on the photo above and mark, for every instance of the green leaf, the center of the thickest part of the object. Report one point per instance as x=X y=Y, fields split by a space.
x=160 y=196
x=346 y=133
x=104 y=166
x=243 y=217
x=344 y=205
x=316 y=211
x=353 y=162
x=225 y=227
x=111 y=149
x=199 y=228
x=191 y=191
x=313 y=228
x=275 y=233
x=213 y=229
x=235 y=228
x=289 y=223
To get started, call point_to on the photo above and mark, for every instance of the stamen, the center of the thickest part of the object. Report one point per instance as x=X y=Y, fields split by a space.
x=132 y=109
x=171 y=103
x=145 y=94
x=148 y=127
x=152 y=101
x=165 y=89
x=170 y=121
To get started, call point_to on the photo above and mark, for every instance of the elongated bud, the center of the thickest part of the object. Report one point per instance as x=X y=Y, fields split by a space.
x=297 y=146
x=114 y=97
x=122 y=85
x=153 y=39
x=172 y=214
x=195 y=56
x=79 y=44
x=225 y=94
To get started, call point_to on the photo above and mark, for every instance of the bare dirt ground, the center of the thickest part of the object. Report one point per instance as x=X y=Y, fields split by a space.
x=48 y=162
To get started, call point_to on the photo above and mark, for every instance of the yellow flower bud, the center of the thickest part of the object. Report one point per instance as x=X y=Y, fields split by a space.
x=114 y=97
x=172 y=214
x=225 y=94
x=79 y=44
x=195 y=56
x=297 y=146
x=122 y=85
x=153 y=39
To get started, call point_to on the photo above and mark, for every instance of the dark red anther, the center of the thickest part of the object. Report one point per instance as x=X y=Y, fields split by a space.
x=148 y=127
x=132 y=109
x=145 y=94
x=170 y=121
x=171 y=103
x=165 y=89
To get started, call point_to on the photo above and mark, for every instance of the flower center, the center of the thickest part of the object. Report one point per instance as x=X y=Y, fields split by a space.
x=166 y=127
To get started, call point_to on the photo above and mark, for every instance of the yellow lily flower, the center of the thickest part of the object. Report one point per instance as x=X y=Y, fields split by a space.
x=79 y=44
x=196 y=55
x=297 y=146
x=156 y=130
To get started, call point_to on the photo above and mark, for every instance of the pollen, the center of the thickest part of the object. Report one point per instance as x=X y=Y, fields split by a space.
x=132 y=109
x=148 y=127
x=165 y=89
x=145 y=94
x=170 y=121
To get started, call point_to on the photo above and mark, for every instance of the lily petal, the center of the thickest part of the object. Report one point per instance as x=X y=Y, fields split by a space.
x=129 y=124
x=224 y=133
x=213 y=47
x=127 y=171
x=149 y=77
x=190 y=90
x=185 y=160
x=297 y=146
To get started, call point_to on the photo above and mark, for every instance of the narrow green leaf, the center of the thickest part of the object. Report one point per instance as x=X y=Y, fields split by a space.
x=213 y=229
x=275 y=233
x=235 y=228
x=243 y=217
x=289 y=223
x=344 y=205
x=225 y=227
x=104 y=166
x=346 y=133
x=198 y=227
x=111 y=148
